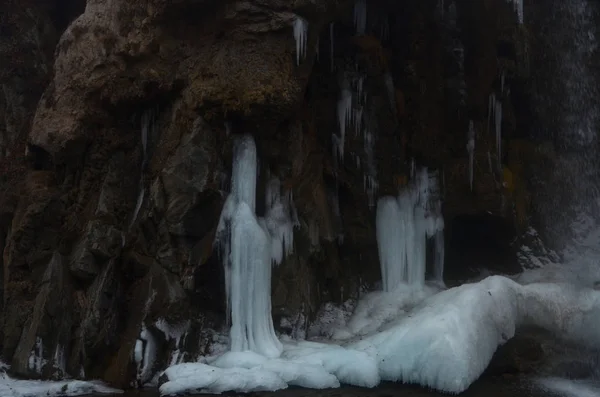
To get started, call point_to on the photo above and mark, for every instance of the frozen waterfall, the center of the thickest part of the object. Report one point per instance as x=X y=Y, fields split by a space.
x=249 y=246
x=403 y=226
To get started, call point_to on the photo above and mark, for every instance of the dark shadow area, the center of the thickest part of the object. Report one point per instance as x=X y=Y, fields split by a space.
x=475 y=243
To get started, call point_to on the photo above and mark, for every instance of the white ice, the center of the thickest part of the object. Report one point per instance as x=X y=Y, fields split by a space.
x=444 y=341
x=145 y=353
x=249 y=246
x=301 y=36
x=279 y=221
x=403 y=226
x=34 y=388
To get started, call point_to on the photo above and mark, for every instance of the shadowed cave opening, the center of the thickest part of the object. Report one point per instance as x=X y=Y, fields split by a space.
x=477 y=243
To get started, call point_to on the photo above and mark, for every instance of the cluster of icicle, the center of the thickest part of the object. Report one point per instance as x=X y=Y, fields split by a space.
x=404 y=225
x=148 y=124
x=495 y=118
x=351 y=114
x=518 y=5
x=301 y=37
x=250 y=245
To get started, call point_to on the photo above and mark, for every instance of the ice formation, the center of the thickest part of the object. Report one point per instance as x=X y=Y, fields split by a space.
x=10 y=387
x=471 y=150
x=352 y=110
x=176 y=333
x=518 y=5
x=331 y=45
x=147 y=125
x=301 y=37
x=36 y=357
x=249 y=246
x=413 y=334
x=145 y=352
x=498 y=119
x=344 y=112
x=491 y=109
x=360 y=16
x=403 y=226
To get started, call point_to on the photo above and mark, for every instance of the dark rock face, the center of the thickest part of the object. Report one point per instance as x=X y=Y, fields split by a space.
x=112 y=221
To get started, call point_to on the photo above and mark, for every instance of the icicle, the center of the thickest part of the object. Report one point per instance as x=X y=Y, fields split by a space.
x=360 y=16
x=358 y=120
x=392 y=249
x=391 y=91
x=279 y=221
x=300 y=35
x=385 y=29
x=361 y=89
x=438 y=263
x=502 y=78
x=344 y=111
x=491 y=109
x=331 y=45
x=471 y=150
x=498 y=118
x=518 y=6
x=147 y=127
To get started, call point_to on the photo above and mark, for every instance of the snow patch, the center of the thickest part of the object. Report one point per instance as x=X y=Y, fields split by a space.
x=34 y=388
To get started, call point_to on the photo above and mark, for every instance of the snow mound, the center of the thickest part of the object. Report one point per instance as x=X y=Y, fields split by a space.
x=447 y=341
x=34 y=388
x=377 y=308
x=202 y=378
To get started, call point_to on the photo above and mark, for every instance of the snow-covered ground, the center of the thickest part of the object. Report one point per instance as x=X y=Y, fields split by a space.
x=445 y=342
x=10 y=387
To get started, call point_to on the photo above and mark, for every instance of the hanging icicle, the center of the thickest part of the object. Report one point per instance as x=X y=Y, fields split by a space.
x=518 y=6
x=301 y=36
x=344 y=111
x=471 y=150
x=498 y=119
x=360 y=16
x=331 y=45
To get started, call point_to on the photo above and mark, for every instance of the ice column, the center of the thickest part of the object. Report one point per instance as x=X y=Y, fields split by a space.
x=247 y=252
x=390 y=241
x=300 y=35
x=404 y=225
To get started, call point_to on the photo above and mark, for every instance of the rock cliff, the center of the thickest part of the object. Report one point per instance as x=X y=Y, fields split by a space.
x=126 y=111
